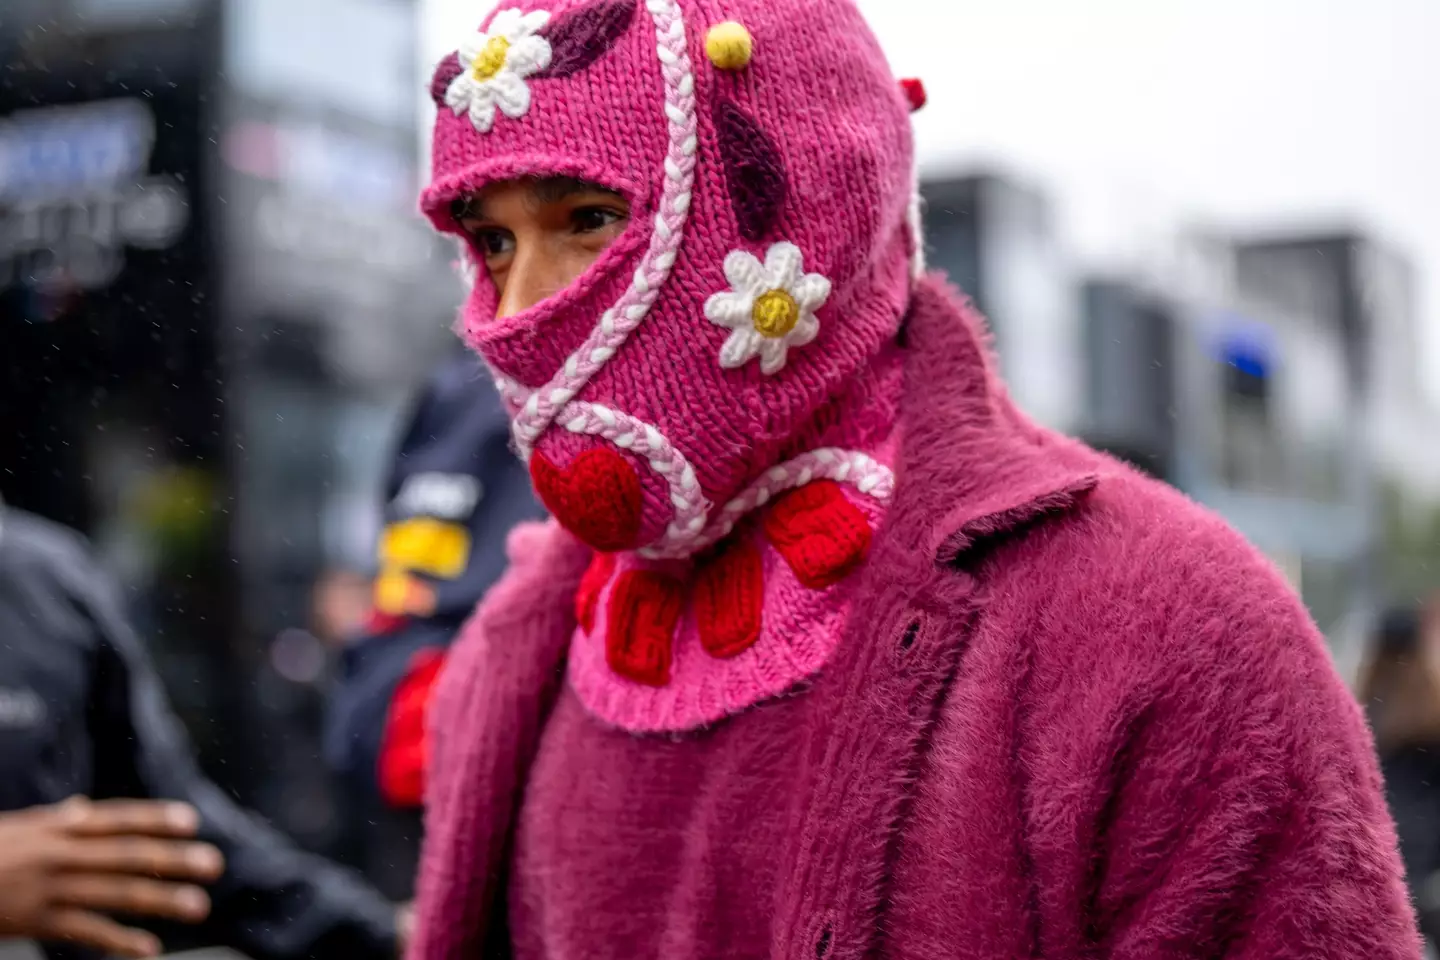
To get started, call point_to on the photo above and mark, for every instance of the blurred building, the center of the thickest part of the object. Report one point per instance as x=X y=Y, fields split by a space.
x=1270 y=379
x=215 y=297
x=996 y=239
x=1355 y=284
x=111 y=415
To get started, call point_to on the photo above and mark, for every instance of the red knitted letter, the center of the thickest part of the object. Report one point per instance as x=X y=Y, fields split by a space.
x=587 y=597
x=644 y=609
x=728 y=591
x=822 y=535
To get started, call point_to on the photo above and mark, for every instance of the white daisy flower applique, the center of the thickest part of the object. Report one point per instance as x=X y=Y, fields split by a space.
x=494 y=66
x=770 y=308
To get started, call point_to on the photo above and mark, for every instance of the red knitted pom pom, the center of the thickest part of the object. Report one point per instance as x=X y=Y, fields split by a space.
x=644 y=609
x=587 y=596
x=820 y=533
x=597 y=497
x=914 y=92
x=728 y=592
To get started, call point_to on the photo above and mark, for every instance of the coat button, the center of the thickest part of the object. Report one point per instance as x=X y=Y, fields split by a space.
x=912 y=632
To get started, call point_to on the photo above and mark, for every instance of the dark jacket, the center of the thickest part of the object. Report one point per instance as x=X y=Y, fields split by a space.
x=454 y=467
x=454 y=491
x=1412 y=786
x=82 y=711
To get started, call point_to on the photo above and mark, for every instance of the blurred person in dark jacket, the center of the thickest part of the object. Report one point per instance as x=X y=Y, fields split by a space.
x=453 y=494
x=1400 y=688
x=82 y=712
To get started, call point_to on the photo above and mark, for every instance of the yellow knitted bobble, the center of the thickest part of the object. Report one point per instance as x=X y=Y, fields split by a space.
x=729 y=46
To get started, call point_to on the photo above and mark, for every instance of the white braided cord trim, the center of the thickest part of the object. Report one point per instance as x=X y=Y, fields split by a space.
x=544 y=406
x=645 y=440
x=859 y=470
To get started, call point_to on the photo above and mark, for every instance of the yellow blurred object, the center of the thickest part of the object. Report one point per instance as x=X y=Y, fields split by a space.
x=729 y=46
x=399 y=594
x=426 y=545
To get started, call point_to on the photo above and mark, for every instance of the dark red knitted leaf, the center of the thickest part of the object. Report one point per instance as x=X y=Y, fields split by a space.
x=754 y=172
x=584 y=35
x=445 y=71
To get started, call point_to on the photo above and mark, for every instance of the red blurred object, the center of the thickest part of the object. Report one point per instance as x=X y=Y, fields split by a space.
x=405 y=747
x=378 y=623
x=914 y=92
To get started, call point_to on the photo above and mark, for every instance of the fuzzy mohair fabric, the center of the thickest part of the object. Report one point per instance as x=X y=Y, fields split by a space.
x=1073 y=716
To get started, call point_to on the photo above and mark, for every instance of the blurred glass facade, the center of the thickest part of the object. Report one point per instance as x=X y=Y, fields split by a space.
x=1261 y=376
x=215 y=298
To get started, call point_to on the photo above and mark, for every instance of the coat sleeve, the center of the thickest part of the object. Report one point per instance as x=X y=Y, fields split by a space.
x=497 y=687
x=1246 y=816
x=274 y=902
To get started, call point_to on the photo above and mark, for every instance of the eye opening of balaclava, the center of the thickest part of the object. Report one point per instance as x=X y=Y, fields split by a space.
x=768 y=255
x=532 y=321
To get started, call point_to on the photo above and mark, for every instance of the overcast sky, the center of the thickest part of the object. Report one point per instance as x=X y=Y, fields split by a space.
x=1137 y=115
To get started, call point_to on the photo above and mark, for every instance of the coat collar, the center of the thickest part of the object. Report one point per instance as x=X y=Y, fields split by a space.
x=974 y=466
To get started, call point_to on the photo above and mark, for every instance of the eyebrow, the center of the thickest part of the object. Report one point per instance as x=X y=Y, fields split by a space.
x=543 y=190
x=555 y=189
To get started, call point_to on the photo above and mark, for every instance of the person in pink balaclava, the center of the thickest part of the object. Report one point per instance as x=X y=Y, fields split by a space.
x=828 y=652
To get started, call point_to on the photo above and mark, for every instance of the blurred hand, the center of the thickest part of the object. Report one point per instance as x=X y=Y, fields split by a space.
x=63 y=867
x=404 y=926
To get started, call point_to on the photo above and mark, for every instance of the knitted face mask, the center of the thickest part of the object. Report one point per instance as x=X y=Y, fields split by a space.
x=766 y=153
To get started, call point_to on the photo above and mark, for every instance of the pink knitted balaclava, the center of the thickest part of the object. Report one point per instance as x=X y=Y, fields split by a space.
x=692 y=374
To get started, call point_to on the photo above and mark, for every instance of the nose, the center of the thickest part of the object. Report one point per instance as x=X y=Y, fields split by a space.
x=535 y=273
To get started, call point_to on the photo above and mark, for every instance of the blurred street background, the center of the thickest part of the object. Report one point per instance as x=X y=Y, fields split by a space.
x=1205 y=235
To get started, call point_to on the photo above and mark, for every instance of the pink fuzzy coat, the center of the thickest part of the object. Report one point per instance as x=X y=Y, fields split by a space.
x=1073 y=716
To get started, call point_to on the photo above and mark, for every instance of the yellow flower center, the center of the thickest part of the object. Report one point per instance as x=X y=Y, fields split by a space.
x=775 y=314
x=490 y=59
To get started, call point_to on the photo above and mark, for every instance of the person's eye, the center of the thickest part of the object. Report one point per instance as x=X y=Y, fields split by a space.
x=594 y=219
x=494 y=242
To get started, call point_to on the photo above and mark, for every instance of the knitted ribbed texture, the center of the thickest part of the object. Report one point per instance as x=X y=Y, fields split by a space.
x=626 y=358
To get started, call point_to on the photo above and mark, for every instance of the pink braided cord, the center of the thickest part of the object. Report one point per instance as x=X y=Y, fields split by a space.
x=688 y=531
x=546 y=404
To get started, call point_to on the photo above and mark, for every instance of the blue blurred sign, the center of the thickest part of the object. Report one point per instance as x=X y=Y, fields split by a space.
x=74 y=149
x=1245 y=344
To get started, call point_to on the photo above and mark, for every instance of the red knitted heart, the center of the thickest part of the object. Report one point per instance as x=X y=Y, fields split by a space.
x=820 y=533
x=644 y=608
x=597 y=498
x=728 y=591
